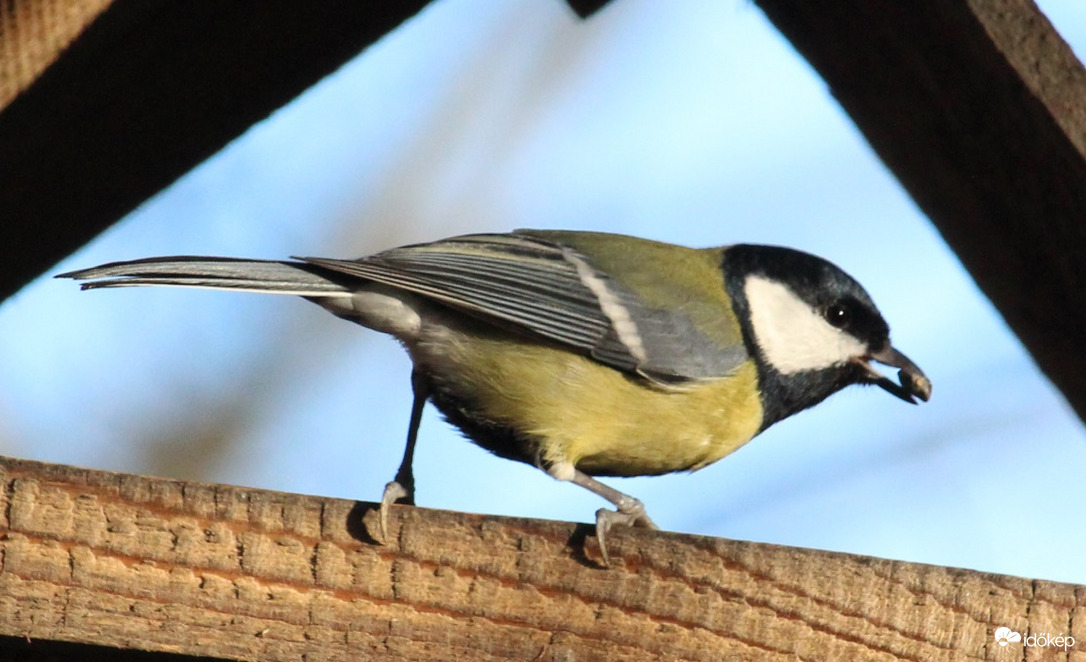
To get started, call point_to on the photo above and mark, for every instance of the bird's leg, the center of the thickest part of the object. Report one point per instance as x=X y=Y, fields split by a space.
x=402 y=489
x=628 y=510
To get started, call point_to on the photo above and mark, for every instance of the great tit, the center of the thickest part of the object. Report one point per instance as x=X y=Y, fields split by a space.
x=588 y=354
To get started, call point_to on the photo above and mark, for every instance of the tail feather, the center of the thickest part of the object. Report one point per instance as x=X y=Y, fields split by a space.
x=269 y=276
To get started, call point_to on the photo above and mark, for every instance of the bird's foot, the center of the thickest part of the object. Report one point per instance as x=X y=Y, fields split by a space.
x=394 y=493
x=630 y=512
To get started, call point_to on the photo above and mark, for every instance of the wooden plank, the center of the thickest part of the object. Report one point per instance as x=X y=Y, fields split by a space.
x=34 y=34
x=151 y=564
x=979 y=108
x=115 y=100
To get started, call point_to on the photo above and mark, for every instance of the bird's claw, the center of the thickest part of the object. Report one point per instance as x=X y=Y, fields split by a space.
x=630 y=512
x=394 y=492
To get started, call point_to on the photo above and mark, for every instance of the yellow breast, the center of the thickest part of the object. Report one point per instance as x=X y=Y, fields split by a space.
x=602 y=421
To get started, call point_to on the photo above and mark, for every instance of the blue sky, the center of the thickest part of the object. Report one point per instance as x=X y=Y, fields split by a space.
x=694 y=123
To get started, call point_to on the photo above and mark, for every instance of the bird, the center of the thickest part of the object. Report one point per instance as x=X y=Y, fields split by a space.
x=587 y=354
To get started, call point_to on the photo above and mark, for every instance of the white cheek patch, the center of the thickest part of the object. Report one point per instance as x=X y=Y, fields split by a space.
x=793 y=336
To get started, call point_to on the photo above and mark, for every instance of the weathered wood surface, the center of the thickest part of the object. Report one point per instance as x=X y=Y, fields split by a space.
x=153 y=564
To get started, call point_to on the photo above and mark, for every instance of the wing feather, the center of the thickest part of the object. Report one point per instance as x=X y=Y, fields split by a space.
x=548 y=289
x=525 y=282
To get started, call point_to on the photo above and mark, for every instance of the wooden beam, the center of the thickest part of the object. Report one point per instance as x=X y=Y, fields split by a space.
x=102 y=104
x=979 y=108
x=150 y=564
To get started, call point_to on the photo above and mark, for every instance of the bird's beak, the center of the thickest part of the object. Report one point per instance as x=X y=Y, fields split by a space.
x=913 y=381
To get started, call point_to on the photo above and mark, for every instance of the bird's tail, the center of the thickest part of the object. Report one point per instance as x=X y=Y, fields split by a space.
x=219 y=273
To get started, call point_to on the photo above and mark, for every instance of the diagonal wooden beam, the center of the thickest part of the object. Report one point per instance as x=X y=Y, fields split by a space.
x=102 y=104
x=979 y=108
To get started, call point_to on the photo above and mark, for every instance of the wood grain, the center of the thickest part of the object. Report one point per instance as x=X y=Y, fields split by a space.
x=151 y=564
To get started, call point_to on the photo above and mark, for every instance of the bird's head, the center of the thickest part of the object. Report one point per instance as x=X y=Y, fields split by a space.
x=812 y=329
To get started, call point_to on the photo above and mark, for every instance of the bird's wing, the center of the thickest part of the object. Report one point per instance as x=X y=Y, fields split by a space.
x=553 y=291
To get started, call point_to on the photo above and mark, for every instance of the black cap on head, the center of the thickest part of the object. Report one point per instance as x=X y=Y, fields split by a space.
x=819 y=329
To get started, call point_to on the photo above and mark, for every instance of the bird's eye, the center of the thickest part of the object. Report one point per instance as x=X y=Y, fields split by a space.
x=838 y=315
